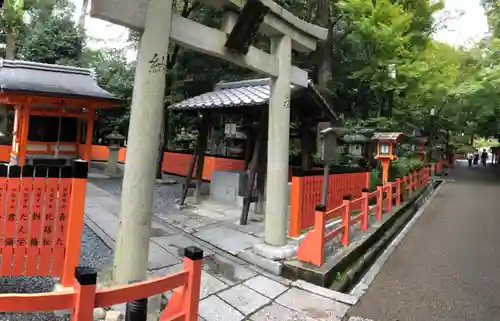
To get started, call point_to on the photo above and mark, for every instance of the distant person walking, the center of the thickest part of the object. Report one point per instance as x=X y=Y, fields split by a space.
x=470 y=157
x=476 y=158
x=484 y=157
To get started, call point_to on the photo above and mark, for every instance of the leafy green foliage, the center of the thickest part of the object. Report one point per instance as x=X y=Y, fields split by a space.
x=55 y=41
x=366 y=36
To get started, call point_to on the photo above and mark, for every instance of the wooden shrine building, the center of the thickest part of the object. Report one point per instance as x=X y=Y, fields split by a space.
x=51 y=104
x=242 y=107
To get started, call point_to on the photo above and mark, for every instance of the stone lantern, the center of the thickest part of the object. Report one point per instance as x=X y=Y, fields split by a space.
x=115 y=140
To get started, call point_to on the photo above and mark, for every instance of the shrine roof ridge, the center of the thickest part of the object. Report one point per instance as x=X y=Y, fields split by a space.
x=247 y=93
x=251 y=92
x=44 y=66
x=32 y=78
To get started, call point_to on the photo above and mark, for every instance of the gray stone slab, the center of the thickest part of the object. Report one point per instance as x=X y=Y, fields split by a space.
x=175 y=244
x=159 y=258
x=313 y=305
x=104 y=220
x=165 y=271
x=226 y=270
x=266 y=286
x=359 y=319
x=210 y=285
x=253 y=228
x=159 y=229
x=175 y=217
x=244 y=299
x=208 y=210
x=334 y=295
x=215 y=309
x=108 y=202
x=94 y=191
x=276 y=312
x=229 y=240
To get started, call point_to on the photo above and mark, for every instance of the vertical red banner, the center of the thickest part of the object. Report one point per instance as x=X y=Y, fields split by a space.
x=48 y=219
x=20 y=247
x=13 y=187
x=61 y=225
x=35 y=220
x=3 y=196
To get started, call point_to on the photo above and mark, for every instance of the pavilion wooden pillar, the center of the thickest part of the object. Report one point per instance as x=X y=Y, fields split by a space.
x=88 y=135
x=23 y=139
x=78 y=131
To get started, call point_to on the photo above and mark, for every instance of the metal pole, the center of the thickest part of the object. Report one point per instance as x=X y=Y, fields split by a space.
x=136 y=310
x=324 y=190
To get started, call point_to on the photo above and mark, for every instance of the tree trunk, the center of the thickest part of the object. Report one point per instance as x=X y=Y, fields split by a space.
x=324 y=52
x=83 y=14
x=10 y=46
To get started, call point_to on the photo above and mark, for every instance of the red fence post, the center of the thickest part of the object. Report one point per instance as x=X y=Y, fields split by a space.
x=296 y=205
x=364 y=209
x=75 y=221
x=404 y=186
x=398 y=191
x=388 y=206
x=85 y=285
x=346 y=220
x=380 y=202
x=185 y=300
x=312 y=247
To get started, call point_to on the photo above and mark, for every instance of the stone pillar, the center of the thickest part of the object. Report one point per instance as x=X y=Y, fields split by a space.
x=132 y=246
x=112 y=166
x=277 y=151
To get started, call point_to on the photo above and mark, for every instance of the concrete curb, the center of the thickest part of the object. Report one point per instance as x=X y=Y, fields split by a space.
x=334 y=295
x=370 y=275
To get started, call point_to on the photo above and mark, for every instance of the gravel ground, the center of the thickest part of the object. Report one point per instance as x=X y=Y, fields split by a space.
x=165 y=195
x=94 y=253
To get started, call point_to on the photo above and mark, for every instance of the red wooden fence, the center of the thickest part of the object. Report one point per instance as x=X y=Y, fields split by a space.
x=41 y=217
x=306 y=193
x=83 y=297
x=311 y=249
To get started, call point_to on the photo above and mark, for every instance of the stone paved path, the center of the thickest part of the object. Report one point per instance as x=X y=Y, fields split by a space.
x=448 y=266
x=232 y=289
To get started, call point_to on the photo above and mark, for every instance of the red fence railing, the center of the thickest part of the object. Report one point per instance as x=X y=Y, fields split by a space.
x=83 y=297
x=311 y=249
x=306 y=193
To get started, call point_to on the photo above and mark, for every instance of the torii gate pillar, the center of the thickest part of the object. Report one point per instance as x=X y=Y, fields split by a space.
x=157 y=22
x=278 y=146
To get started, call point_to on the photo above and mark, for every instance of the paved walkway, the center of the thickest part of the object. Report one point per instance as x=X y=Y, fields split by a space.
x=448 y=266
x=232 y=289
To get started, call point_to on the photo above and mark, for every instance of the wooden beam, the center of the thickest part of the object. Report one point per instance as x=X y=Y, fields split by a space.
x=277 y=12
x=88 y=136
x=203 y=134
x=210 y=41
x=58 y=114
x=23 y=142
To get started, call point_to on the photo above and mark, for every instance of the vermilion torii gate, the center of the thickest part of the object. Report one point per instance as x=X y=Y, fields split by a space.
x=155 y=19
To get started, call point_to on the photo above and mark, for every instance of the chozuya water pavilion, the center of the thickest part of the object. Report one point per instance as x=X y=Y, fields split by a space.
x=55 y=107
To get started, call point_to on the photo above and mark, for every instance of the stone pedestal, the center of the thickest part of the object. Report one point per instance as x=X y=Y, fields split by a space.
x=112 y=167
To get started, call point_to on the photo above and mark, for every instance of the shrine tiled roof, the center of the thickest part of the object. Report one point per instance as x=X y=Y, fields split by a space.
x=387 y=136
x=231 y=94
x=245 y=93
x=24 y=77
